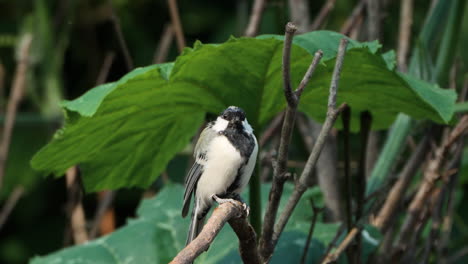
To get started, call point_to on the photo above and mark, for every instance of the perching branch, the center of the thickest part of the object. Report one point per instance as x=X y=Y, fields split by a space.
x=16 y=95
x=226 y=212
x=304 y=181
x=279 y=177
x=255 y=18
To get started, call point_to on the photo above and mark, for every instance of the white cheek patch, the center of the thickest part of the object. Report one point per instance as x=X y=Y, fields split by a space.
x=220 y=124
x=247 y=126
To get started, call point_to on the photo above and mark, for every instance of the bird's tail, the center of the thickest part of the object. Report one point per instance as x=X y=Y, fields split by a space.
x=196 y=224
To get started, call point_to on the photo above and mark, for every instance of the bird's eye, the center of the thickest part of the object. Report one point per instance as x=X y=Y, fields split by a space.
x=225 y=116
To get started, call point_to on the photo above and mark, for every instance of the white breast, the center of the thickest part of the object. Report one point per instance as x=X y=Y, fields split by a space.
x=220 y=169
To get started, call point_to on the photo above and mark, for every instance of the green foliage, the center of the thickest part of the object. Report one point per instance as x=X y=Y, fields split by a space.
x=123 y=134
x=159 y=232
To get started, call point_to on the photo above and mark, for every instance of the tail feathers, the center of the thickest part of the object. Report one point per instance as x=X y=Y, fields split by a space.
x=195 y=228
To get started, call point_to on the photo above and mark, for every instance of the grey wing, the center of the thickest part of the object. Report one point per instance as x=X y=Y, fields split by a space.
x=197 y=168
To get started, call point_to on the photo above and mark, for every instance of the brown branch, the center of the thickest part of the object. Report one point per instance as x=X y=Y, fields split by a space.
x=353 y=19
x=431 y=175
x=396 y=194
x=77 y=215
x=105 y=68
x=105 y=201
x=17 y=93
x=160 y=55
x=346 y=118
x=299 y=10
x=326 y=9
x=316 y=211
x=373 y=19
x=326 y=169
x=122 y=44
x=255 y=18
x=175 y=18
x=305 y=179
x=235 y=214
x=333 y=256
x=404 y=35
x=271 y=129
x=292 y=98
x=10 y=203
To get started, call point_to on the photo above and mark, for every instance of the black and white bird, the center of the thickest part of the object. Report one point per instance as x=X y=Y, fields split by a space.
x=225 y=157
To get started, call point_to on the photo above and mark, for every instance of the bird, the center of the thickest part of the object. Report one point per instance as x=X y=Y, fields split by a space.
x=225 y=157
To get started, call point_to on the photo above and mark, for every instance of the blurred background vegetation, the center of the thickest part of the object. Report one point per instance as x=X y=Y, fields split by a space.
x=75 y=38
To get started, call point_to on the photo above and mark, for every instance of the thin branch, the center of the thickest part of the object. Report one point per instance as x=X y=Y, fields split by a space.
x=332 y=244
x=396 y=194
x=316 y=211
x=320 y=18
x=373 y=19
x=280 y=175
x=121 y=40
x=105 y=68
x=333 y=256
x=271 y=129
x=235 y=214
x=104 y=204
x=255 y=18
x=404 y=35
x=77 y=215
x=161 y=53
x=17 y=93
x=288 y=92
x=10 y=203
x=299 y=10
x=304 y=181
x=175 y=18
x=345 y=117
x=431 y=175
x=353 y=19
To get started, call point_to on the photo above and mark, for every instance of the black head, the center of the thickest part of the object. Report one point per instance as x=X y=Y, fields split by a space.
x=233 y=114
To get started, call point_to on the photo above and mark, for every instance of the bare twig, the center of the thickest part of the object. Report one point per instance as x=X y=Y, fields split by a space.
x=255 y=18
x=304 y=181
x=404 y=35
x=77 y=215
x=332 y=244
x=10 y=204
x=235 y=214
x=431 y=175
x=271 y=129
x=333 y=256
x=17 y=92
x=316 y=211
x=397 y=192
x=353 y=19
x=175 y=18
x=326 y=170
x=299 y=10
x=105 y=68
x=104 y=203
x=320 y=18
x=160 y=55
x=292 y=97
x=121 y=40
x=345 y=117
x=373 y=19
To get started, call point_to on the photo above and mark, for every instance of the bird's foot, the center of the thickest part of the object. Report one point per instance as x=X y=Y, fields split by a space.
x=236 y=198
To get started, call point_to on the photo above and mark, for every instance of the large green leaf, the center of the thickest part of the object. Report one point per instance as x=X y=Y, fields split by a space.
x=123 y=134
x=159 y=232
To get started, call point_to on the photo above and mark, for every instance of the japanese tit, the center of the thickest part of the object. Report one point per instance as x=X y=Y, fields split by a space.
x=225 y=157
